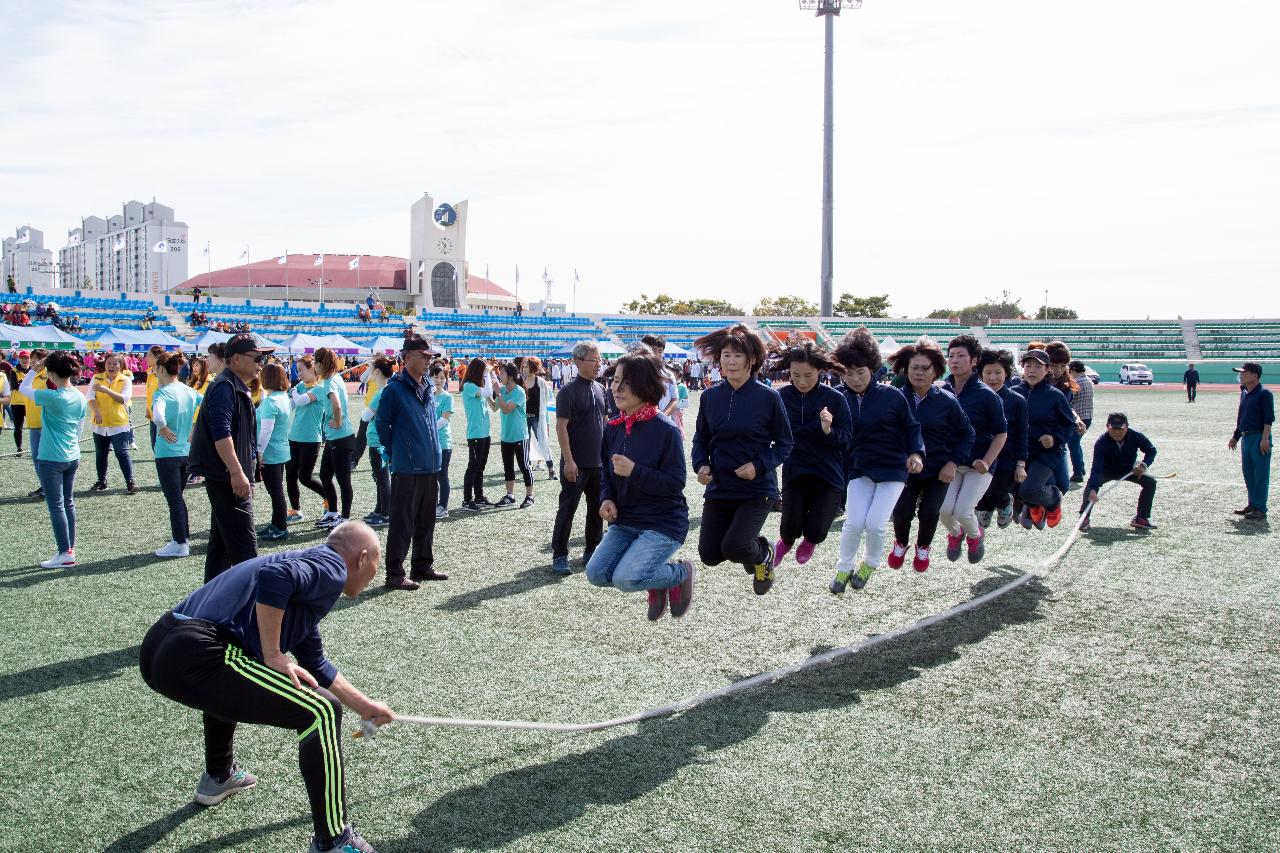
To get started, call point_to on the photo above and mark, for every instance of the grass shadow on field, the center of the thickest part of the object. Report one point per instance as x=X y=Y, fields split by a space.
x=147 y=837
x=525 y=581
x=68 y=673
x=579 y=542
x=368 y=595
x=1105 y=537
x=1248 y=527
x=531 y=800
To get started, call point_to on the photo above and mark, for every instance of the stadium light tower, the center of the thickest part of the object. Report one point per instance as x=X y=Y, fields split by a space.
x=827 y=9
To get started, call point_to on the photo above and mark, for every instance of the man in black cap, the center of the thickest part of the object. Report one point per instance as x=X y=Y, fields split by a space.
x=224 y=450
x=1191 y=378
x=1253 y=433
x=407 y=426
x=1115 y=457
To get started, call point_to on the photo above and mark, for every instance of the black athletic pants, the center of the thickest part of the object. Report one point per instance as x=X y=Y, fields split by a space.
x=588 y=484
x=731 y=530
x=362 y=442
x=232 y=538
x=336 y=463
x=413 y=521
x=381 y=481
x=809 y=505
x=998 y=492
x=191 y=662
x=301 y=469
x=473 y=479
x=1145 y=498
x=171 y=471
x=1191 y=398
x=273 y=477
x=926 y=494
x=514 y=452
x=1040 y=488
x=19 y=414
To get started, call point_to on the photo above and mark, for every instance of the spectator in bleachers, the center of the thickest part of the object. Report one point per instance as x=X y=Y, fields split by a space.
x=519 y=309
x=1191 y=379
x=580 y=418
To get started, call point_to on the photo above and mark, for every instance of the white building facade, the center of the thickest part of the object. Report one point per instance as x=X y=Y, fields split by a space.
x=142 y=250
x=25 y=262
x=436 y=276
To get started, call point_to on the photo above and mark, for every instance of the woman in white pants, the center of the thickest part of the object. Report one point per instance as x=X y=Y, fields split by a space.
x=538 y=393
x=986 y=415
x=886 y=445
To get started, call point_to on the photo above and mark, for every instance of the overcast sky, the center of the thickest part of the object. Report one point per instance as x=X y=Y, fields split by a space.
x=1125 y=155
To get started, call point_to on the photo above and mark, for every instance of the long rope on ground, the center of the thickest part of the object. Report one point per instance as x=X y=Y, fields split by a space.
x=368 y=729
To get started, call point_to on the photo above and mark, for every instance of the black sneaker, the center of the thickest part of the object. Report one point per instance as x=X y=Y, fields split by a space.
x=132 y=488
x=1077 y=478
x=349 y=842
x=36 y=493
x=762 y=580
x=527 y=502
x=482 y=502
x=505 y=500
x=98 y=487
x=470 y=506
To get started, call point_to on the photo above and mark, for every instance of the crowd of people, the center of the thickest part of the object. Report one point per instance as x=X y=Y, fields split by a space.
x=952 y=437
x=22 y=314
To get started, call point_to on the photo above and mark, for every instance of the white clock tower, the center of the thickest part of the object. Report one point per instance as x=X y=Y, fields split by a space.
x=437 y=276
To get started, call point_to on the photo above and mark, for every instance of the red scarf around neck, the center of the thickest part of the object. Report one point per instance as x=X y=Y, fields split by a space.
x=647 y=412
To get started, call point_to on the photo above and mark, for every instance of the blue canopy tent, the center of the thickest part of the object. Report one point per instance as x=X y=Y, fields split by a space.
x=132 y=340
x=202 y=341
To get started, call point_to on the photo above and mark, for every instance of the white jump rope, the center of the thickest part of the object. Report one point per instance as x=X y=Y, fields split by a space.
x=368 y=729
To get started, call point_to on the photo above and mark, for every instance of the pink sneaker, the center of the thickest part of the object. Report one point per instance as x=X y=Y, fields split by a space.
x=897 y=555
x=657 y=604
x=953 y=546
x=804 y=551
x=921 y=560
x=977 y=545
x=780 y=551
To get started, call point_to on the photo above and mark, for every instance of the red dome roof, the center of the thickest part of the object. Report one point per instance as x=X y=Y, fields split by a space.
x=380 y=271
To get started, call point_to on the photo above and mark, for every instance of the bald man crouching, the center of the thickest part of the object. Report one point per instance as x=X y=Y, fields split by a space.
x=225 y=651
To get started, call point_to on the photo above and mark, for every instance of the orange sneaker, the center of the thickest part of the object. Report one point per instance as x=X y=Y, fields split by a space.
x=1053 y=516
x=1037 y=515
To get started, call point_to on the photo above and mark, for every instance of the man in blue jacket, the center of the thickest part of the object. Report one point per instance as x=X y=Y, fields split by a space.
x=407 y=427
x=226 y=651
x=1115 y=457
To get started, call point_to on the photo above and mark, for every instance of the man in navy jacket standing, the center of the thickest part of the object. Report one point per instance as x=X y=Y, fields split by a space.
x=407 y=428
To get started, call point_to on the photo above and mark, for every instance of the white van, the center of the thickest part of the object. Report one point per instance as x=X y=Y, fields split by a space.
x=1135 y=374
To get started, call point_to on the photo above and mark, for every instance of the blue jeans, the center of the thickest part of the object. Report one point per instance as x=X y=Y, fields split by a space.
x=1077 y=452
x=1257 y=470
x=442 y=479
x=172 y=473
x=34 y=433
x=120 y=444
x=58 y=479
x=1039 y=488
x=632 y=560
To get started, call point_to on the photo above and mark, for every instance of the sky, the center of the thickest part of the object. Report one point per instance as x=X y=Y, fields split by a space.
x=1124 y=156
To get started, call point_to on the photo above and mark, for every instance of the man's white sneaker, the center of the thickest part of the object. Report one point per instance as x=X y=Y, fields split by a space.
x=175 y=549
x=61 y=560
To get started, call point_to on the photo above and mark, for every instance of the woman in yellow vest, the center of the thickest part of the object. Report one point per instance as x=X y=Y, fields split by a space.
x=153 y=384
x=34 y=420
x=110 y=395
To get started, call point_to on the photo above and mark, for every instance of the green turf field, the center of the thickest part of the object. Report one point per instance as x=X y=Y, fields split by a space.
x=1127 y=701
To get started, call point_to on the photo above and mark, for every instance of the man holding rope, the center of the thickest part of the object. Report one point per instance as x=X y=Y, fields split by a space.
x=1115 y=457
x=225 y=651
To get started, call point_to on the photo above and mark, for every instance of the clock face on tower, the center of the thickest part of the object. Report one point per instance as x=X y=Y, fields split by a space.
x=445 y=215
x=445 y=245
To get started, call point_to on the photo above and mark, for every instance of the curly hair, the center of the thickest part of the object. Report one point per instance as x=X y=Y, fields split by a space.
x=926 y=348
x=810 y=353
x=735 y=338
x=1002 y=357
x=859 y=349
x=966 y=342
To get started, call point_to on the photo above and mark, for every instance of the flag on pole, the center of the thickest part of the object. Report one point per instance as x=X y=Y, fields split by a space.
x=205 y=253
x=575 y=274
x=517 y=275
x=354 y=263
x=119 y=246
x=283 y=259
x=318 y=261
x=545 y=277
x=161 y=247
x=244 y=256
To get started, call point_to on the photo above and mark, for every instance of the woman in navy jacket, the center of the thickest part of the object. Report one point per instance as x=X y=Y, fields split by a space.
x=813 y=483
x=1050 y=422
x=642 y=492
x=948 y=443
x=996 y=368
x=885 y=447
x=742 y=435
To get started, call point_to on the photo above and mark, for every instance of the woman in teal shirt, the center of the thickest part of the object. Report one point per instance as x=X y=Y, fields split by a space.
x=274 y=420
x=306 y=435
x=478 y=388
x=173 y=411
x=439 y=374
x=59 y=456
x=379 y=373
x=515 y=435
x=339 y=439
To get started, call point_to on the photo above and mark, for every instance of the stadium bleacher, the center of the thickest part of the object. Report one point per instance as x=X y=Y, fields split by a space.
x=1113 y=340
x=1239 y=340
x=97 y=313
x=903 y=331
x=269 y=320
x=505 y=336
x=681 y=331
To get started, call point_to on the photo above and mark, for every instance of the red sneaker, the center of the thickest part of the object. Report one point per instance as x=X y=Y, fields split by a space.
x=921 y=560
x=897 y=555
x=1037 y=516
x=657 y=604
x=1053 y=516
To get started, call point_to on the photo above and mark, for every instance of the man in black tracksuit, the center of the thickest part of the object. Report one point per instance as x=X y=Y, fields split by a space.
x=1115 y=457
x=224 y=450
x=1191 y=379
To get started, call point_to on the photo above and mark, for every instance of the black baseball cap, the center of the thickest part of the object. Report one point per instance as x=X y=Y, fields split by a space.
x=1250 y=366
x=1035 y=355
x=415 y=342
x=243 y=344
x=1117 y=419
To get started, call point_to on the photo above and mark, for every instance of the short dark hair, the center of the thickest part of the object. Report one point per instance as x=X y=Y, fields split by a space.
x=156 y=351
x=966 y=342
x=654 y=341
x=1002 y=357
x=810 y=353
x=923 y=348
x=738 y=338
x=512 y=370
x=859 y=349
x=1059 y=353
x=219 y=349
x=1076 y=366
x=642 y=374
x=64 y=364
x=383 y=365
x=171 y=362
